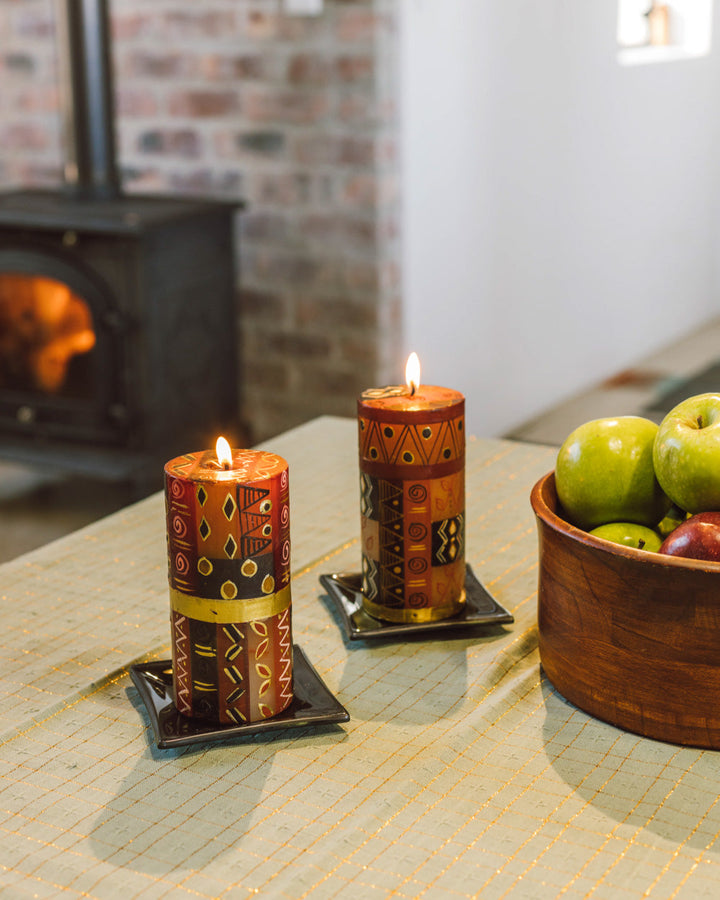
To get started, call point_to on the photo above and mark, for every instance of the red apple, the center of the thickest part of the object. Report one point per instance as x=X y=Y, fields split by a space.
x=696 y=538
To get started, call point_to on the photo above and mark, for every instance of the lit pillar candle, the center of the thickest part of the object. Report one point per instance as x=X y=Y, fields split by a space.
x=412 y=496
x=228 y=526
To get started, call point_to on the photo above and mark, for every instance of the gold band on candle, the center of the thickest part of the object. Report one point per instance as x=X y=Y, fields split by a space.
x=226 y=612
x=424 y=614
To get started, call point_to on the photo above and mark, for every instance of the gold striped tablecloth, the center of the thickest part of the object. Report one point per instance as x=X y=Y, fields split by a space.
x=462 y=773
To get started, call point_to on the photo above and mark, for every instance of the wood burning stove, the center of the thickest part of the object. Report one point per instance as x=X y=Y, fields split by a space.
x=118 y=344
x=117 y=329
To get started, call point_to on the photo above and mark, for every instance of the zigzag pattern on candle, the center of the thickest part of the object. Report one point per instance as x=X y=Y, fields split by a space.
x=448 y=540
x=370 y=576
x=368 y=500
x=180 y=664
x=412 y=445
x=392 y=544
x=285 y=674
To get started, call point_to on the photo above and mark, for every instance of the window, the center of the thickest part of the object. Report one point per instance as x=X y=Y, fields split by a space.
x=660 y=30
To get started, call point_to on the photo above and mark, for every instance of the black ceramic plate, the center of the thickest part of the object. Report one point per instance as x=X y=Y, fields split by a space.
x=313 y=704
x=345 y=590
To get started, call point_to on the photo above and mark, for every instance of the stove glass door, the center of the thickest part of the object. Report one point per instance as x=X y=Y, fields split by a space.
x=46 y=336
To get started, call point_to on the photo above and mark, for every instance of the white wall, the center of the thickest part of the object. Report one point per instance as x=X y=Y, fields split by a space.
x=560 y=210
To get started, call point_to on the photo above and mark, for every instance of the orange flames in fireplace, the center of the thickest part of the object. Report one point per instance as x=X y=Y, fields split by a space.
x=43 y=325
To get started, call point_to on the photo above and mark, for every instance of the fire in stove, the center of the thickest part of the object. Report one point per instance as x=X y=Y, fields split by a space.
x=44 y=325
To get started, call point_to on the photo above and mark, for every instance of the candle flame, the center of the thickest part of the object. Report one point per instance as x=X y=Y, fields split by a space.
x=224 y=453
x=412 y=372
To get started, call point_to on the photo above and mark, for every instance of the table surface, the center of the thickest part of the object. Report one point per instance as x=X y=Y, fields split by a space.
x=461 y=772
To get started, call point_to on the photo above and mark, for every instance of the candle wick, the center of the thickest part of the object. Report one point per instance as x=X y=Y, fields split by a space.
x=226 y=464
x=413 y=386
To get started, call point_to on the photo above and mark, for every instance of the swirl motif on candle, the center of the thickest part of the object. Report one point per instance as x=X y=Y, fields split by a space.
x=177 y=489
x=179 y=526
x=417 y=531
x=182 y=565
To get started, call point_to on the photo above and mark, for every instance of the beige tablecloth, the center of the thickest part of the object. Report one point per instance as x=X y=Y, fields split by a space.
x=461 y=773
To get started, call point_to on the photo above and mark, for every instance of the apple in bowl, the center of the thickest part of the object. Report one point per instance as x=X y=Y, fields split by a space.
x=696 y=538
x=629 y=534
x=686 y=453
x=604 y=473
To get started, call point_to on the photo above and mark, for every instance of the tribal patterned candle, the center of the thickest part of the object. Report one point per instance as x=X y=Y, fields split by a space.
x=228 y=526
x=412 y=496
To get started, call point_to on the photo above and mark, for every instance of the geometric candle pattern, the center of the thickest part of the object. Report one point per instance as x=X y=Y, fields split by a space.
x=412 y=502
x=229 y=575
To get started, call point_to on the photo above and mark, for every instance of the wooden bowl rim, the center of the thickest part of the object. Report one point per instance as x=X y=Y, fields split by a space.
x=543 y=511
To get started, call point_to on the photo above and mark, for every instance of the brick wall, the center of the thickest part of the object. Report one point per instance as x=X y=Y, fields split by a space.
x=295 y=116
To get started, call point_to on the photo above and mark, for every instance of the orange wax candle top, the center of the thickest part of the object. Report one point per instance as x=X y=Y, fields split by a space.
x=411 y=397
x=402 y=399
x=236 y=466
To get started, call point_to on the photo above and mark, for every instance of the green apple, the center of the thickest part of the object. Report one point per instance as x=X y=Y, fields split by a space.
x=630 y=535
x=687 y=453
x=674 y=517
x=604 y=473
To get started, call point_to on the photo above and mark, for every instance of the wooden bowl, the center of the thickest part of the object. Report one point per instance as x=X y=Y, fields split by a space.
x=628 y=636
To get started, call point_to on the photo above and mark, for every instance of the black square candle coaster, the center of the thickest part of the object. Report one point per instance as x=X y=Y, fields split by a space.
x=312 y=704
x=345 y=591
